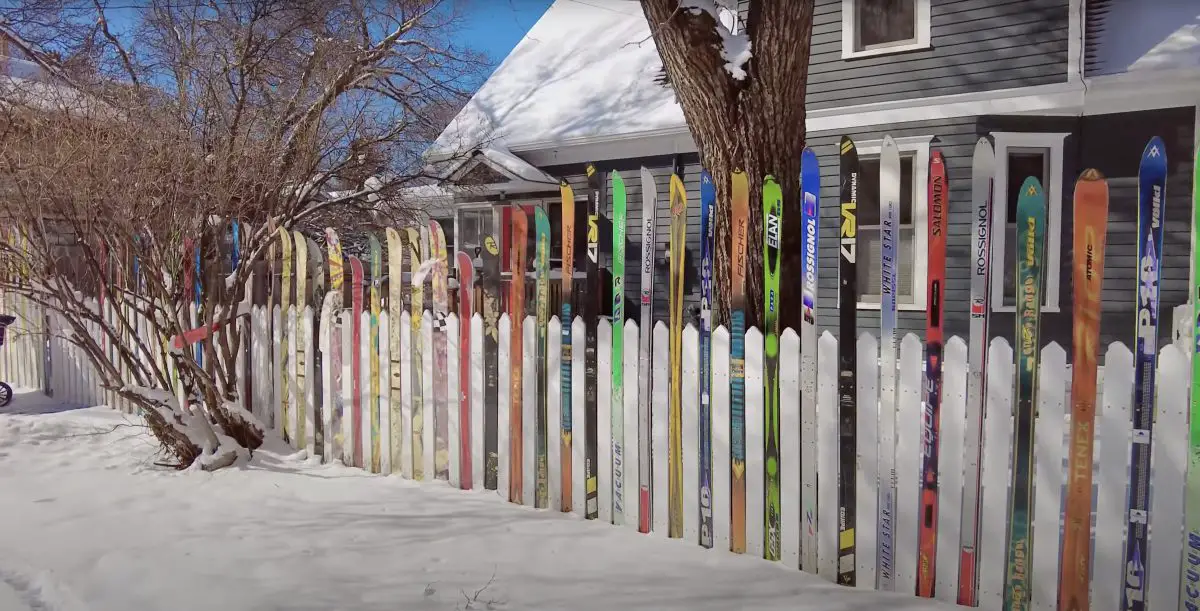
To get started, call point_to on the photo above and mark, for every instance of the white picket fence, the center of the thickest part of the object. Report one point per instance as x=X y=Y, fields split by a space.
x=21 y=363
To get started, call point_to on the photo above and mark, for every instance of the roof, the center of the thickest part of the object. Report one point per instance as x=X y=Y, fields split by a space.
x=585 y=69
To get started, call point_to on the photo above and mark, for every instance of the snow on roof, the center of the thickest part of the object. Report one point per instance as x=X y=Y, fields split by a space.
x=584 y=69
x=1154 y=35
x=516 y=166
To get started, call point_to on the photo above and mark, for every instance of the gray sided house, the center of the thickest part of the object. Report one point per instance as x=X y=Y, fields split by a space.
x=1047 y=81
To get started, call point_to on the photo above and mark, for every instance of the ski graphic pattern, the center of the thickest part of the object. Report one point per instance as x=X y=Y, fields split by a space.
x=740 y=218
x=889 y=221
x=939 y=190
x=708 y=201
x=395 y=266
x=1152 y=184
x=516 y=308
x=376 y=255
x=356 y=310
x=337 y=275
x=982 y=170
x=591 y=317
x=417 y=251
x=1190 y=583
x=1091 y=226
x=491 y=356
x=675 y=414
x=617 y=404
x=541 y=224
x=1031 y=230
x=810 y=213
x=772 y=224
x=441 y=307
x=847 y=360
x=566 y=319
x=645 y=333
x=466 y=309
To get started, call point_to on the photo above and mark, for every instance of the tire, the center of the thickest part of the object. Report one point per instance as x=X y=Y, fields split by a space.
x=6 y=394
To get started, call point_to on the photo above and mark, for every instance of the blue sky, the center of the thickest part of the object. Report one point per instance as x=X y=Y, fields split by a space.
x=496 y=26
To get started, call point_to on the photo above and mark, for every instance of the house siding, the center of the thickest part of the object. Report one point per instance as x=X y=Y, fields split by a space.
x=976 y=45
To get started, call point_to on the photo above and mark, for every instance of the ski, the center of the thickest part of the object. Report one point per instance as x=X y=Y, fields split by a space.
x=466 y=300
x=675 y=299
x=491 y=353
x=847 y=360
x=302 y=381
x=1031 y=230
x=708 y=201
x=356 y=310
x=772 y=221
x=566 y=318
x=889 y=224
x=199 y=294
x=982 y=170
x=1091 y=226
x=285 y=302
x=1190 y=584
x=417 y=251
x=939 y=191
x=441 y=307
x=516 y=310
x=591 y=316
x=541 y=224
x=645 y=333
x=395 y=267
x=1152 y=185
x=316 y=266
x=617 y=399
x=810 y=209
x=376 y=261
x=740 y=218
x=336 y=278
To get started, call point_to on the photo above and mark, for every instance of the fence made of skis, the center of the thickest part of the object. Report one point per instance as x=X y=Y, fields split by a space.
x=373 y=428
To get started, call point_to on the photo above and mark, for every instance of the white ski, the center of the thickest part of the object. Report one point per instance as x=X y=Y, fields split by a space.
x=645 y=331
x=982 y=169
x=889 y=224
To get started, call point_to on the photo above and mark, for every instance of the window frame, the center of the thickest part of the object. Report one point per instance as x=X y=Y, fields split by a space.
x=850 y=32
x=918 y=146
x=1053 y=142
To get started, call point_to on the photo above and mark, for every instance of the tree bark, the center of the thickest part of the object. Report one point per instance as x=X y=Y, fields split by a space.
x=756 y=125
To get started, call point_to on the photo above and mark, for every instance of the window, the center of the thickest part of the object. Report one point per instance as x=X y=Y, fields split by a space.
x=473 y=225
x=1018 y=156
x=912 y=239
x=877 y=27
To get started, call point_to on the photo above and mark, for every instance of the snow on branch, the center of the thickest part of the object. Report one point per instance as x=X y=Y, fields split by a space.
x=735 y=45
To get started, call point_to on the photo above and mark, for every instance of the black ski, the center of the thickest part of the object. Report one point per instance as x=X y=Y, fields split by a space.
x=847 y=360
x=491 y=355
x=591 y=317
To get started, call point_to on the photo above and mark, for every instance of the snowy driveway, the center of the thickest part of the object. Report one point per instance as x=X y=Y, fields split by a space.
x=88 y=522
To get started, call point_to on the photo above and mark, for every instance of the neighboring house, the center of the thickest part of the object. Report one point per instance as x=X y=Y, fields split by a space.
x=1059 y=86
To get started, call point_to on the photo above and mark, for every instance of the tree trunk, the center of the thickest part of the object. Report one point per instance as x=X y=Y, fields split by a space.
x=756 y=124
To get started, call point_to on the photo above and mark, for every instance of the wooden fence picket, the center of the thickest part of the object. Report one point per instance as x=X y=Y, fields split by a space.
x=867 y=474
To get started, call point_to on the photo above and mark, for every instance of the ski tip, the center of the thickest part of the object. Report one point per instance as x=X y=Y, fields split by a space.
x=984 y=153
x=1156 y=152
x=1091 y=175
x=846 y=145
x=591 y=169
x=1032 y=187
x=936 y=158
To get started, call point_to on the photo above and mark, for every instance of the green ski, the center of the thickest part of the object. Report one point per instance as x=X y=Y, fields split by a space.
x=772 y=223
x=618 y=350
x=1031 y=230
x=541 y=225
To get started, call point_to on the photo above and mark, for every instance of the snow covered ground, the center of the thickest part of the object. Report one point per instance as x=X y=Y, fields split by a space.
x=87 y=521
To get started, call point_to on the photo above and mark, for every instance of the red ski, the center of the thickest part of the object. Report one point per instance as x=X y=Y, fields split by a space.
x=466 y=292
x=356 y=300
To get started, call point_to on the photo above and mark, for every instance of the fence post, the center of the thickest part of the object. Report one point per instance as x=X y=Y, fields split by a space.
x=659 y=408
x=554 y=414
x=578 y=417
x=754 y=443
x=529 y=410
x=720 y=438
x=1170 y=460
x=997 y=447
x=1113 y=434
x=869 y=480
x=478 y=457
x=827 y=456
x=503 y=402
x=604 y=419
x=632 y=452
x=950 y=467
x=453 y=415
x=1048 y=469
x=391 y=430
x=406 y=383
x=428 y=413
x=908 y=459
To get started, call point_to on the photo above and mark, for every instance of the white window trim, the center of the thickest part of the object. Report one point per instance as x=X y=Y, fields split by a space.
x=1052 y=261
x=919 y=147
x=850 y=33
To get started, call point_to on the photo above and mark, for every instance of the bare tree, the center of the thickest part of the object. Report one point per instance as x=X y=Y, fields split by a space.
x=133 y=145
x=742 y=93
